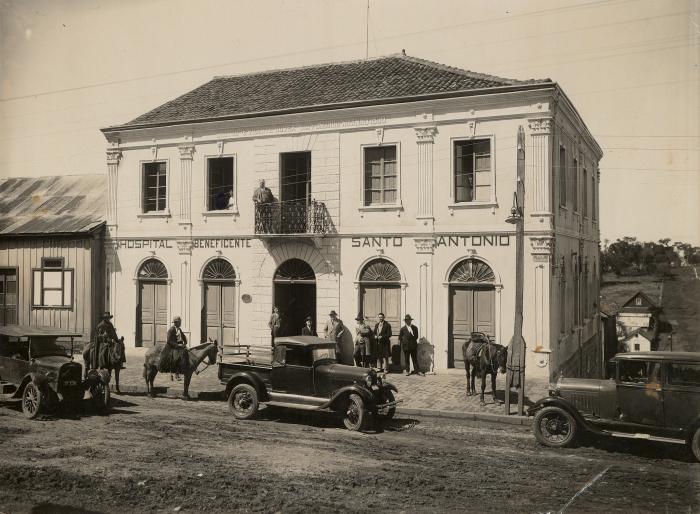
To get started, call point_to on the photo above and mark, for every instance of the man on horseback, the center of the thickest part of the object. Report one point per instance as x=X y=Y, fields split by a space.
x=107 y=351
x=172 y=360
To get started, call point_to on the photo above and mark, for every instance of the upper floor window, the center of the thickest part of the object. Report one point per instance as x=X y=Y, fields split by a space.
x=52 y=284
x=155 y=187
x=574 y=183
x=472 y=171
x=584 y=182
x=381 y=176
x=220 y=182
x=562 y=176
x=593 y=196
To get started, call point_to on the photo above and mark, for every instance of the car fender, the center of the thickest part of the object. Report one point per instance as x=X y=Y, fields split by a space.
x=346 y=391
x=245 y=377
x=389 y=385
x=554 y=401
x=692 y=428
x=40 y=379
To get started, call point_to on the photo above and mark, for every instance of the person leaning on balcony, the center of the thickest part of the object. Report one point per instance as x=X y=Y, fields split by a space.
x=262 y=198
x=262 y=194
x=333 y=331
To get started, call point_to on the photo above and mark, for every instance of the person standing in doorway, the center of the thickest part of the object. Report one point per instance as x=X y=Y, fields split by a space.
x=308 y=329
x=275 y=323
x=363 y=343
x=333 y=331
x=408 y=338
x=382 y=336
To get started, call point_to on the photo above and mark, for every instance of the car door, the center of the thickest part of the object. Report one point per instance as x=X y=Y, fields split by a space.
x=296 y=375
x=681 y=394
x=639 y=392
x=14 y=359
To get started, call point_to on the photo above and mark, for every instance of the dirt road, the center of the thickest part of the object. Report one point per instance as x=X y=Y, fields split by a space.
x=167 y=455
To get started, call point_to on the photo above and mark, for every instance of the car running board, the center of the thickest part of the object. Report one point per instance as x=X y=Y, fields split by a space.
x=647 y=437
x=298 y=406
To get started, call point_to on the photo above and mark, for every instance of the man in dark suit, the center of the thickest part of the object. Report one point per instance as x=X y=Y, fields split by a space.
x=382 y=335
x=408 y=338
x=308 y=329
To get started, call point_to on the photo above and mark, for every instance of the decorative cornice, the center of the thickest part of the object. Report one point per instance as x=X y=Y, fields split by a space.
x=186 y=152
x=541 y=248
x=425 y=134
x=540 y=126
x=114 y=155
x=425 y=245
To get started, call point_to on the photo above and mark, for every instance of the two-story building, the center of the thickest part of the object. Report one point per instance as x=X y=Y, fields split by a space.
x=392 y=179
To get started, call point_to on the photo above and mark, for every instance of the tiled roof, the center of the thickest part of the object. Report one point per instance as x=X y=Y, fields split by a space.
x=389 y=77
x=46 y=205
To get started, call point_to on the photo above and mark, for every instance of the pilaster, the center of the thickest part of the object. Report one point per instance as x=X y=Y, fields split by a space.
x=541 y=251
x=114 y=155
x=425 y=248
x=186 y=156
x=425 y=138
x=541 y=177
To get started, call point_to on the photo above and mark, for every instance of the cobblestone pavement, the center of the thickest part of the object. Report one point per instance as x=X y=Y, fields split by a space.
x=443 y=391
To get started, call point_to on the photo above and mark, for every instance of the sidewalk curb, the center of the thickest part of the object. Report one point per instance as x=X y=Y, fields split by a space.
x=162 y=392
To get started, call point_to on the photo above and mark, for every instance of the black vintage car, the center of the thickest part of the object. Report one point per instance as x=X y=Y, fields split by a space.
x=40 y=371
x=651 y=395
x=304 y=375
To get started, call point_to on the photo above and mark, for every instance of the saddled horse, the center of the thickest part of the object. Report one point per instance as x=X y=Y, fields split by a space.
x=483 y=357
x=194 y=358
x=110 y=356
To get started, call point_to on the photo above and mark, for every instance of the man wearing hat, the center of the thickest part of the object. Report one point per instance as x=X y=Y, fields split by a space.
x=174 y=351
x=408 y=338
x=308 y=329
x=96 y=354
x=363 y=353
x=333 y=331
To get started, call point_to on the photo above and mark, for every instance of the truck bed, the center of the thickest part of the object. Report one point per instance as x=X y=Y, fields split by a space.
x=227 y=369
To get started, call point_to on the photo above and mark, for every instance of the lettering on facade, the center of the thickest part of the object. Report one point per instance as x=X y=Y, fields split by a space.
x=143 y=243
x=485 y=240
x=238 y=242
x=376 y=242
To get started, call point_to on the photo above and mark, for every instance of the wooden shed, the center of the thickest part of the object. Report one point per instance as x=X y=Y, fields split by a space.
x=51 y=251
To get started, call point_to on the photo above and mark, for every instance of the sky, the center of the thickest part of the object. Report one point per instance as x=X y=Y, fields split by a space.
x=631 y=68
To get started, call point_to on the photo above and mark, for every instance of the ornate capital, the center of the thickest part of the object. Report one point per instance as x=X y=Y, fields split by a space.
x=425 y=245
x=540 y=126
x=186 y=151
x=425 y=134
x=184 y=247
x=541 y=248
x=113 y=155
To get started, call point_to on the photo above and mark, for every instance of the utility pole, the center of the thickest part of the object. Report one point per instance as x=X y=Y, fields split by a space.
x=516 y=349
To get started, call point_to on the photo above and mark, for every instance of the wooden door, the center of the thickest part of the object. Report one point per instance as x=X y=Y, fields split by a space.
x=471 y=310
x=220 y=312
x=8 y=297
x=153 y=302
x=382 y=298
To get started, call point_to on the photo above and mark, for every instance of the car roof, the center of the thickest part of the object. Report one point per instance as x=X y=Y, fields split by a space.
x=304 y=341
x=36 y=330
x=664 y=356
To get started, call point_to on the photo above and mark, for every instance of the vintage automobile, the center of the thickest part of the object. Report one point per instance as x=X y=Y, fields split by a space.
x=651 y=395
x=304 y=375
x=40 y=371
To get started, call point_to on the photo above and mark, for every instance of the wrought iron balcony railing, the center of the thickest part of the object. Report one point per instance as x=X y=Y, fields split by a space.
x=291 y=217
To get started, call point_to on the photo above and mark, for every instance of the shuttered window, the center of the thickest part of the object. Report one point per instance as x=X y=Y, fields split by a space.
x=472 y=171
x=381 y=176
x=155 y=187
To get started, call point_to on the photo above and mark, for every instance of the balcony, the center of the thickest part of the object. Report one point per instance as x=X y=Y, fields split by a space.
x=295 y=217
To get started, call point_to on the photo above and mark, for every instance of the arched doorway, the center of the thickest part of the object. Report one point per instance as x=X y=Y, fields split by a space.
x=152 y=304
x=472 y=306
x=219 y=302
x=380 y=291
x=294 y=295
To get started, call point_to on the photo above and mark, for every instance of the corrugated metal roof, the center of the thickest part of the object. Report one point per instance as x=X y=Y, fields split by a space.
x=46 y=205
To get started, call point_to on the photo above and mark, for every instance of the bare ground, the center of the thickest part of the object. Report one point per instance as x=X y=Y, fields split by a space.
x=167 y=455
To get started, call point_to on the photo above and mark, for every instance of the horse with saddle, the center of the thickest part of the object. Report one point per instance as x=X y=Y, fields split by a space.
x=106 y=351
x=484 y=357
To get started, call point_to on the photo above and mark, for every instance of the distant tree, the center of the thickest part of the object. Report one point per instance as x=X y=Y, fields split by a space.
x=664 y=241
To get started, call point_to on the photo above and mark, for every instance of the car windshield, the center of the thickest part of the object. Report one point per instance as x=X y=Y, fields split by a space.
x=323 y=354
x=44 y=346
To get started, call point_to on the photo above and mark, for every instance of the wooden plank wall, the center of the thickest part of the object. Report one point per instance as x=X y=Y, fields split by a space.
x=83 y=255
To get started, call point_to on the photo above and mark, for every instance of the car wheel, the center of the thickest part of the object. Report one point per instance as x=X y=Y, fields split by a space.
x=388 y=396
x=355 y=413
x=32 y=401
x=554 y=427
x=243 y=401
x=695 y=444
x=100 y=396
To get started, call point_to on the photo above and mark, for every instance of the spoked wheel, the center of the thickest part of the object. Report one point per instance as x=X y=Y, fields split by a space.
x=554 y=427
x=100 y=396
x=388 y=396
x=695 y=444
x=243 y=401
x=355 y=413
x=32 y=401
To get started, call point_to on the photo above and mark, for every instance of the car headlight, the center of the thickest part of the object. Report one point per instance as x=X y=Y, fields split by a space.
x=369 y=380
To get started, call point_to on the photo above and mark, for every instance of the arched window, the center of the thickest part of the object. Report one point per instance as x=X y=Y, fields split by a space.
x=219 y=269
x=380 y=270
x=472 y=271
x=294 y=270
x=153 y=269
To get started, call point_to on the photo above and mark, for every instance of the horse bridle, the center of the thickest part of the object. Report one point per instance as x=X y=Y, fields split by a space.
x=197 y=371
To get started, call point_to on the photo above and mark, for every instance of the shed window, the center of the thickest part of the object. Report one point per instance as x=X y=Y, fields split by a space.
x=381 y=175
x=52 y=285
x=220 y=194
x=472 y=170
x=155 y=187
